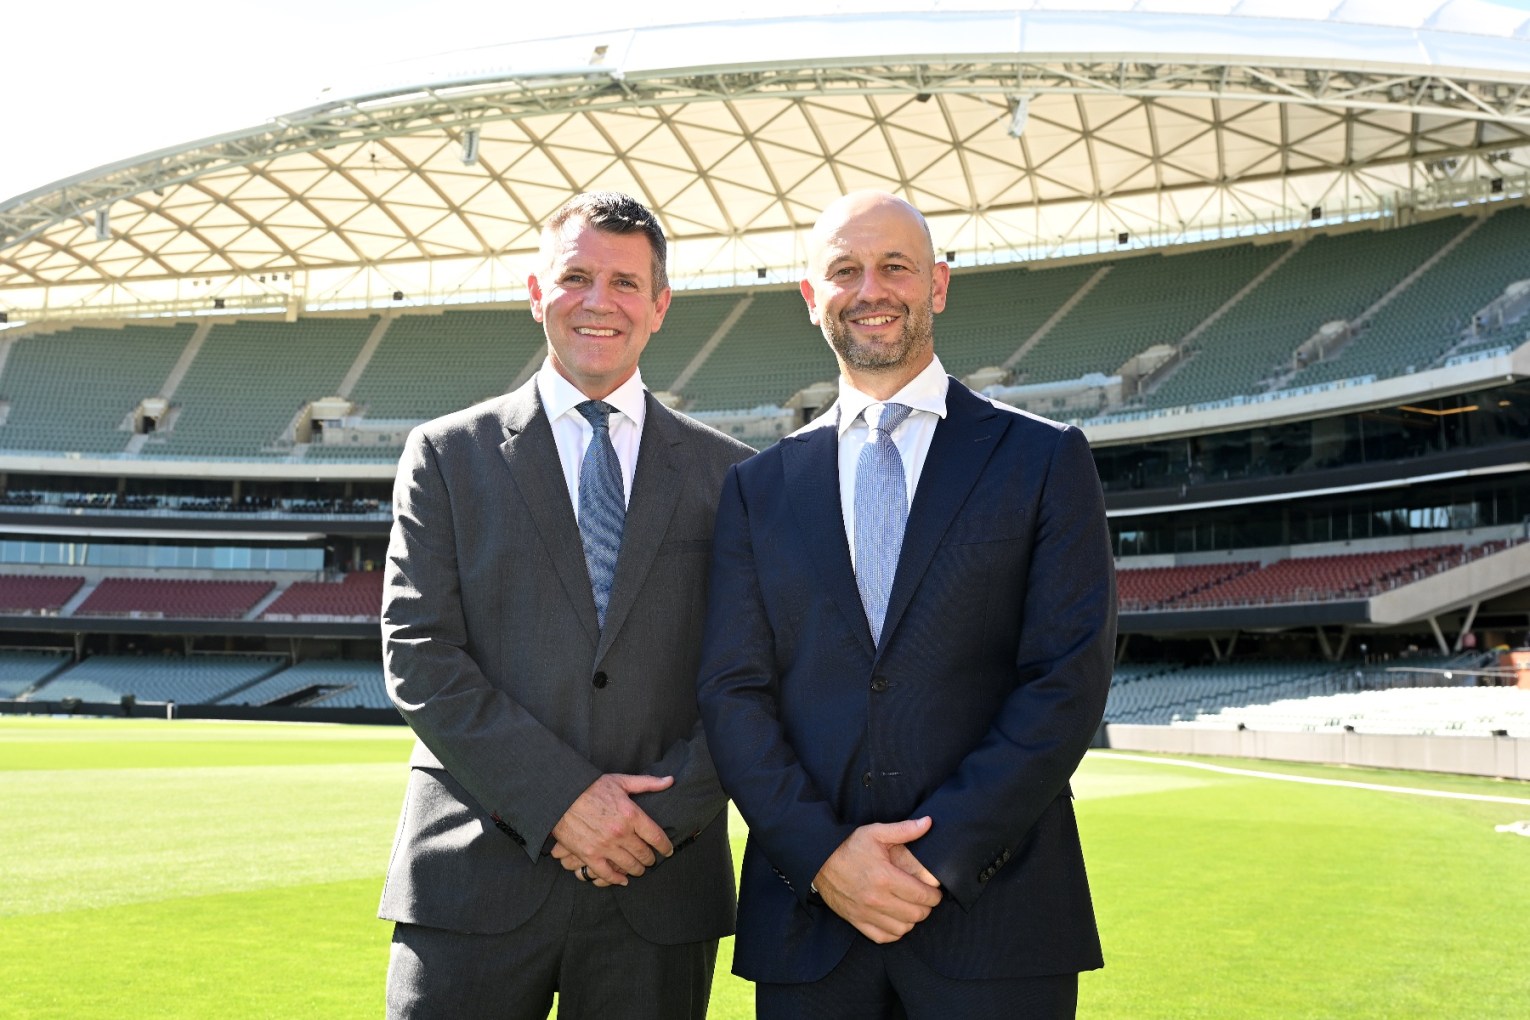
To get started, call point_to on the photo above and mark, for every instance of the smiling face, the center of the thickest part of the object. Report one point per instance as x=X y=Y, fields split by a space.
x=598 y=303
x=874 y=289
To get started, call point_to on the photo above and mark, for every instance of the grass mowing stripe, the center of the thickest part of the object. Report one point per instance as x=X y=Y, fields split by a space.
x=1315 y=781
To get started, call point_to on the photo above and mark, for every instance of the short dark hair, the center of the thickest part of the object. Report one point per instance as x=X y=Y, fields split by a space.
x=614 y=213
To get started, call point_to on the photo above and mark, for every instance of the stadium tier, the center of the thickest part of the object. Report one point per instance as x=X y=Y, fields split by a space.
x=1158 y=587
x=1148 y=696
x=1441 y=711
x=1241 y=317
x=31 y=593
x=251 y=379
x=76 y=390
x=356 y=596
x=427 y=365
x=314 y=682
x=180 y=599
x=20 y=671
x=189 y=680
x=367 y=691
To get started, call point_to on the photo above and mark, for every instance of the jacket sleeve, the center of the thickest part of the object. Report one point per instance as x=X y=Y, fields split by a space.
x=512 y=765
x=737 y=687
x=1063 y=665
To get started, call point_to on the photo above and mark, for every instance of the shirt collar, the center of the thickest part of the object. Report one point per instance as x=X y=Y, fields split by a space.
x=924 y=392
x=560 y=397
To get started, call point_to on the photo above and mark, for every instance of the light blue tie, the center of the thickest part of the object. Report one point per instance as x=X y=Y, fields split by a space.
x=881 y=511
x=602 y=504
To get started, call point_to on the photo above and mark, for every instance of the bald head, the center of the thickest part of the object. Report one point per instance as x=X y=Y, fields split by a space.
x=860 y=207
x=873 y=286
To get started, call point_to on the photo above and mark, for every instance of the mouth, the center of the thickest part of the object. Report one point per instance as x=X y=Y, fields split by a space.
x=595 y=331
x=874 y=321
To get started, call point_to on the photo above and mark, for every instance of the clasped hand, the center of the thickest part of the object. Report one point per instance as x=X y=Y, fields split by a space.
x=606 y=832
x=873 y=880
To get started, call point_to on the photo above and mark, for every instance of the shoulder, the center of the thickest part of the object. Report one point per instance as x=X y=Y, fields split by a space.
x=1024 y=424
x=713 y=443
x=476 y=424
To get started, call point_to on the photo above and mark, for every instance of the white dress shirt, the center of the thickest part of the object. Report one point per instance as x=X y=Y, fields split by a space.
x=572 y=432
x=925 y=394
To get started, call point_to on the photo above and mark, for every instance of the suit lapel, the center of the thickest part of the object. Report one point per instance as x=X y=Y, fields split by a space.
x=809 y=461
x=962 y=444
x=655 y=494
x=531 y=454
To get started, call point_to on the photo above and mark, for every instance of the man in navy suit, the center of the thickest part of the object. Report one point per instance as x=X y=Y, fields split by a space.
x=908 y=646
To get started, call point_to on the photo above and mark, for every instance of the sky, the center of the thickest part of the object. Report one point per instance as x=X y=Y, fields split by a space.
x=93 y=83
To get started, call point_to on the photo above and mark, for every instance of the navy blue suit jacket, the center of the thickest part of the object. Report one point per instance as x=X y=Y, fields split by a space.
x=986 y=690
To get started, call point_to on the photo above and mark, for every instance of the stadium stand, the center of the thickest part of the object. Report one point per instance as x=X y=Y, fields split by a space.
x=368 y=691
x=1142 y=301
x=308 y=682
x=688 y=325
x=1443 y=711
x=1320 y=578
x=355 y=596
x=197 y=679
x=20 y=671
x=173 y=598
x=993 y=312
x=31 y=593
x=1423 y=323
x=1158 y=695
x=1158 y=587
x=72 y=391
x=1332 y=277
x=223 y=414
x=770 y=353
x=428 y=365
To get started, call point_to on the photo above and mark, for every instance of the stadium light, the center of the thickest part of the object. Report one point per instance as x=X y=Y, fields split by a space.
x=103 y=224
x=470 y=147
x=1018 y=116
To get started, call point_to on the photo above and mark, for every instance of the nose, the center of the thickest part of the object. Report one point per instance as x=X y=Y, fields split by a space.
x=873 y=288
x=598 y=296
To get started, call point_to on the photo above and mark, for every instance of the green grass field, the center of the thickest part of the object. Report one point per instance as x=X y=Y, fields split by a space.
x=208 y=870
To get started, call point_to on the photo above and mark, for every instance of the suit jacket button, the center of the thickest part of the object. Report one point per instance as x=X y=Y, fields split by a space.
x=879 y=684
x=600 y=679
x=866 y=779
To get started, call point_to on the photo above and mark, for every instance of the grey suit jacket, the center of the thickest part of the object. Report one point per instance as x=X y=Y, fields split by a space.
x=518 y=699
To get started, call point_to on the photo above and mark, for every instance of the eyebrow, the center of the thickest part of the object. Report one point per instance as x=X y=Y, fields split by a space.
x=884 y=256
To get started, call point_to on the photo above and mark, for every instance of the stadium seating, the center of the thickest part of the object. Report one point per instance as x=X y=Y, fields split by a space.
x=316 y=675
x=1420 y=326
x=427 y=365
x=22 y=670
x=1331 y=277
x=1158 y=587
x=1323 y=578
x=992 y=312
x=688 y=325
x=72 y=391
x=356 y=596
x=1143 y=301
x=192 y=680
x=173 y=598
x=1443 y=711
x=770 y=353
x=36 y=594
x=250 y=380
x=1146 y=695
x=367 y=691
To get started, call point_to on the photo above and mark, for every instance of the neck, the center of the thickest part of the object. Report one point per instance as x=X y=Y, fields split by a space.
x=884 y=383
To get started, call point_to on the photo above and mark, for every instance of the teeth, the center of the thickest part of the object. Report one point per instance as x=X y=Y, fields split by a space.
x=597 y=332
x=876 y=320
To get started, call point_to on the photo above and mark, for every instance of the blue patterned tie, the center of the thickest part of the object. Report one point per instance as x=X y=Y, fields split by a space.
x=602 y=504
x=881 y=511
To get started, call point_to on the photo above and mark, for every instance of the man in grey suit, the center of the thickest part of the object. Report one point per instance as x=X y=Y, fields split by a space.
x=563 y=829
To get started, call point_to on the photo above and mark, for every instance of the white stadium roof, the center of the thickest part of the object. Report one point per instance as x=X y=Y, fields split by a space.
x=1023 y=130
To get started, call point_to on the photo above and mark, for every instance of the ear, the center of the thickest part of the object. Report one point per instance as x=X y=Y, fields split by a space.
x=940 y=282
x=811 y=297
x=660 y=307
x=535 y=290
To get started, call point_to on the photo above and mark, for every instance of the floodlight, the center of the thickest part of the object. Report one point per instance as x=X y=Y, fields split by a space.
x=1018 y=116
x=470 y=147
x=104 y=224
